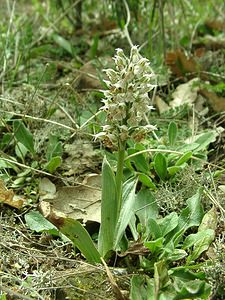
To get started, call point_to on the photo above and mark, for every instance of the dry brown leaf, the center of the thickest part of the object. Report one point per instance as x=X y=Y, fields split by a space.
x=82 y=202
x=217 y=103
x=180 y=63
x=216 y=24
x=136 y=248
x=8 y=197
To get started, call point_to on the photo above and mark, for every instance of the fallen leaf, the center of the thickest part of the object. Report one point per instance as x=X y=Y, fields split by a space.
x=81 y=156
x=216 y=24
x=180 y=63
x=217 y=103
x=8 y=197
x=135 y=248
x=82 y=202
x=185 y=93
x=161 y=105
x=47 y=189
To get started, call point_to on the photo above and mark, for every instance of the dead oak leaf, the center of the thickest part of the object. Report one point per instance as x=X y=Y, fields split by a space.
x=8 y=197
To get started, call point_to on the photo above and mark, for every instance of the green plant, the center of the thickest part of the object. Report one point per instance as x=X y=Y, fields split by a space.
x=22 y=140
x=122 y=205
x=170 y=241
x=169 y=157
x=125 y=104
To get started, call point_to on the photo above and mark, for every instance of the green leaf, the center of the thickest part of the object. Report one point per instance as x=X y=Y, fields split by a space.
x=146 y=180
x=168 y=223
x=155 y=246
x=174 y=169
x=5 y=164
x=154 y=229
x=127 y=209
x=6 y=140
x=54 y=147
x=145 y=206
x=23 y=135
x=94 y=47
x=222 y=188
x=161 y=277
x=141 y=288
x=109 y=209
x=201 y=242
x=184 y=274
x=63 y=43
x=133 y=227
x=193 y=213
x=193 y=238
x=184 y=158
x=81 y=239
x=188 y=147
x=172 y=133
x=160 y=165
x=21 y=150
x=194 y=289
x=205 y=139
x=177 y=254
x=37 y=222
x=53 y=164
x=190 y=216
x=139 y=160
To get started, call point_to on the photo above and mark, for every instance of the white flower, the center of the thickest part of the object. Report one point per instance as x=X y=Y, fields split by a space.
x=134 y=54
x=113 y=76
x=149 y=127
x=126 y=100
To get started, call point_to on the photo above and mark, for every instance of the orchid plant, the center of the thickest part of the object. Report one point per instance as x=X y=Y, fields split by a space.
x=126 y=103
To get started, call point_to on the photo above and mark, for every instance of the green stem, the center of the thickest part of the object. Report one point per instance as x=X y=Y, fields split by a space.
x=119 y=175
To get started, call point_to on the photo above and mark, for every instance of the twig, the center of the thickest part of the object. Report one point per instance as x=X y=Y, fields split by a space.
x=39 y=119
x=115 y=288
x=126 y=32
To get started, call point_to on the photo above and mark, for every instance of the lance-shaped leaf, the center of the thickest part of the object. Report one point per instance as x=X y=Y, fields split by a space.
x=80 y=238
x=160 y=165
x=108 y=209
x=127 y=209
x=172 y=133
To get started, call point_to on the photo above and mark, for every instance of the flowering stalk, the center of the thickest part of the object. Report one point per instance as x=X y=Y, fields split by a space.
x=126 y=102
x=119 y=175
